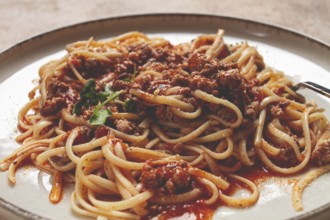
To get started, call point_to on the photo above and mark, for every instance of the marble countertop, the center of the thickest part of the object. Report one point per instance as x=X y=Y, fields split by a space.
x=22 y=19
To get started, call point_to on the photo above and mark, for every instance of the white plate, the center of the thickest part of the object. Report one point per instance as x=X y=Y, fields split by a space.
x=300 y=57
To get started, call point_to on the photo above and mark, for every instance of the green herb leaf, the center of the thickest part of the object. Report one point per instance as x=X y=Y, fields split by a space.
x=77 y=109
x=108 y=90
x=99 y=117
x=102 y=96
x=88 y=97
x=130 y=105
x=127 y=79
x=89 y=89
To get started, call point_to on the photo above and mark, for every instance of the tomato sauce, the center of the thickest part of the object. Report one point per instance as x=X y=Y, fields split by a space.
x=197 y=210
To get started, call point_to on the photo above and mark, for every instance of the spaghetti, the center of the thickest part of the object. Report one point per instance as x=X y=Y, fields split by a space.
x=138 y=124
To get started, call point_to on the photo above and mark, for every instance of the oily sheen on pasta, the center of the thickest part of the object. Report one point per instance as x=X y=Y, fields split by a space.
x=142 y=127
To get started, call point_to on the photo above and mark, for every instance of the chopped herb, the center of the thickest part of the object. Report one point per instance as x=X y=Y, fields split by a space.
x=130 y=105
x=108 y=89
x=89 y=97
x=127 y=79
x=102 y=96
x=99 y=115
x=77 y=109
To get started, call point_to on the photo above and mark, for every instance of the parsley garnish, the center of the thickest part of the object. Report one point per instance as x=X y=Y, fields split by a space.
x=89 y=97
x=99 y=115
x=130 y=105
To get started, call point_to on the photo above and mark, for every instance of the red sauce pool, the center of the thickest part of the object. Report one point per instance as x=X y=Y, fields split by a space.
x=199 y=211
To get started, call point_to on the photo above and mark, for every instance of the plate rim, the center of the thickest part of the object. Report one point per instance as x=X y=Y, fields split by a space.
x=271 y=25
x=25 y=214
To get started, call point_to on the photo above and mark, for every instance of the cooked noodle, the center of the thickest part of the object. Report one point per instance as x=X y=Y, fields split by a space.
x=141 y=124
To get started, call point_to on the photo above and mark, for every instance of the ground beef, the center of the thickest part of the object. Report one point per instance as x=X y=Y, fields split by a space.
x=160 y=85
x=167 y=55
x=143 y=82
x=234 y=87
x=185 y=91
x=107 y=78
x=139 y=53
x=278 y=109
x=253 y=90
x=85 y=134
x=125 y=126
x=225 y=113
x=204 y=84
x=88 y=112
x=154 y=65
x=279 y=90
x=71 y=96
x=196 y=62
x=179 y=78
x=169 y=178
x=228 y=66
x=126 y=66
x=286 y=154
x=60 y=93
x=92 y=68
x=57 y=87
x=161 y=54
x=192 y=100
x=250 y=114
x=321 y=154
x=113 y=107
x=101 y=131
x=250 y=110
x=141 y=109
x=120 y=85
x=210 y=68
x=230 y=80
x=52 y=106
x=163 y=113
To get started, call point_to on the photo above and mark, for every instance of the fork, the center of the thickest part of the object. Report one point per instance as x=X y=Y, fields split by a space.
x=312 y=86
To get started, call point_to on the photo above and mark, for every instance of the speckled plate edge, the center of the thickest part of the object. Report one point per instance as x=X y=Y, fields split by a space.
x=25 y=214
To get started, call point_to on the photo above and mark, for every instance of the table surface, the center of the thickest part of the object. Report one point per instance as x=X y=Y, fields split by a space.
x=22 y=19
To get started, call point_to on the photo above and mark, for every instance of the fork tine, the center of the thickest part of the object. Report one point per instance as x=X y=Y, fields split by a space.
x=313 y=86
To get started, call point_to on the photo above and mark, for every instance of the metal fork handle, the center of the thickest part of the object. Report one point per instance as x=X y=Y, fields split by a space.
x=313 y=86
